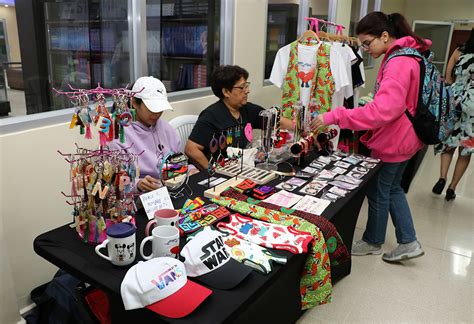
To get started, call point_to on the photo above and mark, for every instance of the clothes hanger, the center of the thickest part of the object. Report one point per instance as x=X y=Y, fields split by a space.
x=308 y=36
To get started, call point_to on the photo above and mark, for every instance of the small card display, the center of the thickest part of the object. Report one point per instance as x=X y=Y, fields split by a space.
x=368 y=165
x=283 y=198
x=313 y=188
x=338 y=191
x=312 y=205
x=326 y=175
x=324 y=159
x=338 y=170
x=317 y=165
x=343 y=185
x=349 y=179
x=352 y=160
x=310 y=170
x=342 y=164
x=355 y=174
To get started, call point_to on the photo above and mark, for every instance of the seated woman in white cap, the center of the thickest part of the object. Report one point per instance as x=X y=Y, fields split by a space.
x=149 y=133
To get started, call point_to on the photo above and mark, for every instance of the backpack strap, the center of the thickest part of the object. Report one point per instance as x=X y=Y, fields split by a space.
x=408 y=51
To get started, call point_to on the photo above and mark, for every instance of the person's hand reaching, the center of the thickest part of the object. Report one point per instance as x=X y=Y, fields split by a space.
x=317 y=123
x=148 y=184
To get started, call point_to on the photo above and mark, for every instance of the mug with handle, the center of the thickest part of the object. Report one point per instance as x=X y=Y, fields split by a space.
x=162 y=217
x=165 y=242
x=120 y=244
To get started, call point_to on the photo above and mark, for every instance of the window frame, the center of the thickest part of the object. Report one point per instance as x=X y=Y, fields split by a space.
x=138 y=67
x=364 y=11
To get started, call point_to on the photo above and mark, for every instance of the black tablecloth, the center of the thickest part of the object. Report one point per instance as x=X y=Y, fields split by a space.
x=269 y=298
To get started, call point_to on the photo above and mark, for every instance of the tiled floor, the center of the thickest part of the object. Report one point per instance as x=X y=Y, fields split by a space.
x=436 y=288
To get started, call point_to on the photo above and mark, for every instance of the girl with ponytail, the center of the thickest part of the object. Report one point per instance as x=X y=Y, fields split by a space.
x=390 y=137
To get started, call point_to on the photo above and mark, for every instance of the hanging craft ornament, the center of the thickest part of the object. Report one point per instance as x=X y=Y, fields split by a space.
x=111 y=123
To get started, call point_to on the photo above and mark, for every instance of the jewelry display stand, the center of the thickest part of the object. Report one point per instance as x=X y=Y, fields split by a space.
x=267 y=141
x=257 y=175
x=174 y=172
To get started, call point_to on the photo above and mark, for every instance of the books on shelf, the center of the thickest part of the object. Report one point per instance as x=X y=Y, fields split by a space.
x=184 y=40
x=192 y=76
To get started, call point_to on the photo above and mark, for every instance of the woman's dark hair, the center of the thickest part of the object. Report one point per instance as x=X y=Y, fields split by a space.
x=225 y=77
x=375 y=23
x=469 y=46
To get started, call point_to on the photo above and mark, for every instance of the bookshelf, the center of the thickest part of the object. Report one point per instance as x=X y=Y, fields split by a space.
x=189 y=42
x=85 y=42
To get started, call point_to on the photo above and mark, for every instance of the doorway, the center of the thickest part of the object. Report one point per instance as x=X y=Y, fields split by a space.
x=439 y=32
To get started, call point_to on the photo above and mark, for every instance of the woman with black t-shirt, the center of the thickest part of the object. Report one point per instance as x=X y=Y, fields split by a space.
x=229 y=83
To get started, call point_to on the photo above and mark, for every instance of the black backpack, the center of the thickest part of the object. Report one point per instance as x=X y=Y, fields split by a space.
x=60 y=301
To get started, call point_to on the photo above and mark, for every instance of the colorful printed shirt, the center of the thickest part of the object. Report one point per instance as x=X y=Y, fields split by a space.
x=266 y=234
x=251 y=254
x=315 y=284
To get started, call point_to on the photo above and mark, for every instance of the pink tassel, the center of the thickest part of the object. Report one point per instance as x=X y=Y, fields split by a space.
x=73 y=187
x=88 y=132
x=103 y=139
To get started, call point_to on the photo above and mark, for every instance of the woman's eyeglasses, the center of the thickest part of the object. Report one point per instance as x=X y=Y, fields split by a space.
x=366 y=44
x=243 y=87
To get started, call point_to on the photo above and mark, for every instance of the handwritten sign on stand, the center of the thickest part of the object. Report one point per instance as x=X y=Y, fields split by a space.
x=155 y=200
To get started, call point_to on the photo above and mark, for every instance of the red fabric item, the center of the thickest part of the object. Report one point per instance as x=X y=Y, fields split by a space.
x=99 y=305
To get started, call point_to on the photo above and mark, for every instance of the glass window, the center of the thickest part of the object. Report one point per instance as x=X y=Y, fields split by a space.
x=282 y=25
x=86 y=45
x=82 y=43
x=183 y=41
x=320 y=9
x=356 y=15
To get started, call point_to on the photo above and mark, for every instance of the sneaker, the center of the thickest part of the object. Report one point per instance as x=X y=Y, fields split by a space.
x=361 y=247
x=439 y=186
x=404 y=252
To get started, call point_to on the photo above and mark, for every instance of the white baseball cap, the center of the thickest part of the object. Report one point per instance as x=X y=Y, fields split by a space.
x=153 y=93
x=160 y=285
x=207 y=259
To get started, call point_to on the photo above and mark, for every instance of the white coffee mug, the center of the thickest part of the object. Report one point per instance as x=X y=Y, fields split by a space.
x=120 y=244
x=165 y=242
x=162 y=217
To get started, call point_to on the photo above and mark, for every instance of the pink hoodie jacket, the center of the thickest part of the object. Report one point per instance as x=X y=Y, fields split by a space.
x=391 y=136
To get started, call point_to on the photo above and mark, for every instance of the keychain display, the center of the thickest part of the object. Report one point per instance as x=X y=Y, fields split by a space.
x=109 y=124
x=102 y=190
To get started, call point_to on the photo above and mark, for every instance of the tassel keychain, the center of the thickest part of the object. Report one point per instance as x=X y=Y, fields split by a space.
x=73 y=121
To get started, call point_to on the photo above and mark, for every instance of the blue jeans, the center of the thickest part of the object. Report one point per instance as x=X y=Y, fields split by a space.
x=386 y=195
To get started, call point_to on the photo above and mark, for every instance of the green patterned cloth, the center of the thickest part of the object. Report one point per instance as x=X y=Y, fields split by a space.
x=322 y=85
x=315 y=284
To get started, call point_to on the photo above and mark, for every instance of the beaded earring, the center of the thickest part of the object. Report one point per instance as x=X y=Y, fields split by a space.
x=229 y=136
x=222 y=141
x=213 y=144
x=248 y=131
